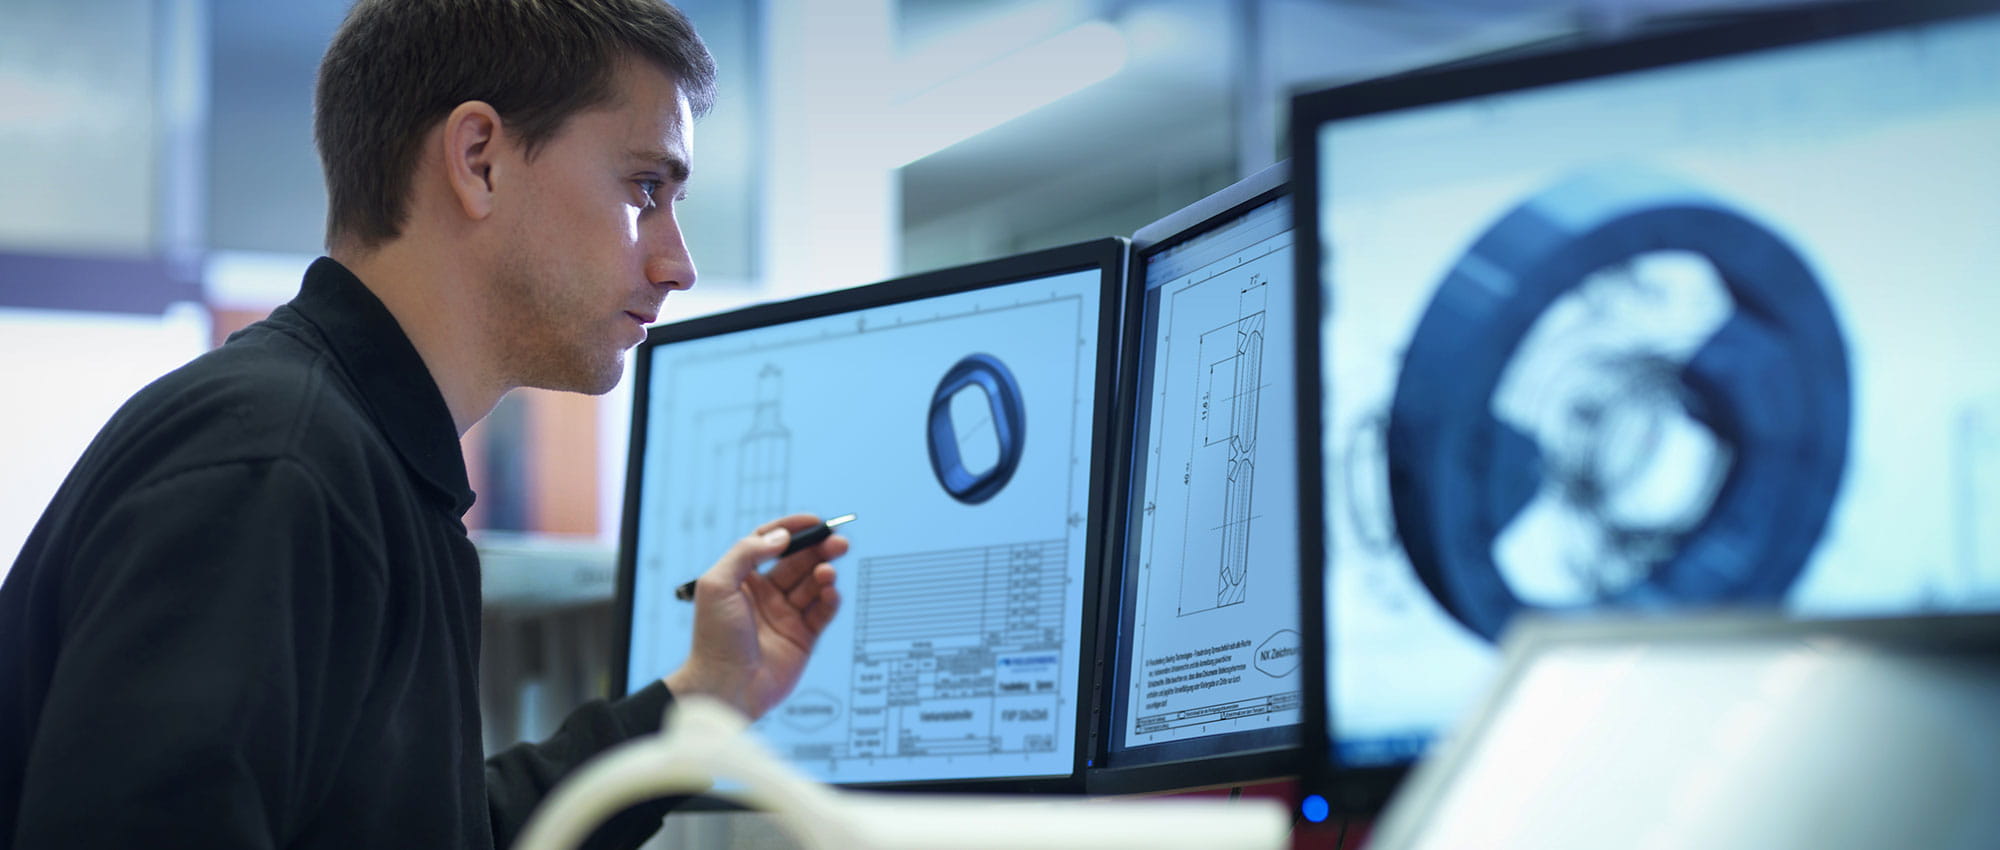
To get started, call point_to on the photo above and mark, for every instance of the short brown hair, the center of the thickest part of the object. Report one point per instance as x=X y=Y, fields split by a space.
x=397 y=66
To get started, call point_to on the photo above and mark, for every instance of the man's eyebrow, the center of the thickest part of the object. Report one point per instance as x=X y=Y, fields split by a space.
x=676 y=168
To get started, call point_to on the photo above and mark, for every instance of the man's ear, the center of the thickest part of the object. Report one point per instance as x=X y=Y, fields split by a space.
x=471 y=144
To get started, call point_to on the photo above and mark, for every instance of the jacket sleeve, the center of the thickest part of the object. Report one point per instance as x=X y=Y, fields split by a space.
x=518 y=777
x=199 y=618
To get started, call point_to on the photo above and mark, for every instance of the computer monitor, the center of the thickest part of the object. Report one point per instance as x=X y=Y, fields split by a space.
x=1202 y=640
x=1722 y=732
x=1700 y=320
x=963 y=416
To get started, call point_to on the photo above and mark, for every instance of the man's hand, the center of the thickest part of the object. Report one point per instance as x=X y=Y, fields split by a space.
x=753 y=632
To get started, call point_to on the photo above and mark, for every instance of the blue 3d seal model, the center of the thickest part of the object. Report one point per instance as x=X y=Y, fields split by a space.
x=948 y=438
x=1770 y=386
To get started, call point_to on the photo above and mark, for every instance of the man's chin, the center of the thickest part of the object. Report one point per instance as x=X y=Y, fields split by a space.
x=605 y=379
x=594 y=378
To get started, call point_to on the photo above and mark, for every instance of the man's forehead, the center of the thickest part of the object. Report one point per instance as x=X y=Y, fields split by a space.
x=646 y=117
x=649 y=82
x=654 y=101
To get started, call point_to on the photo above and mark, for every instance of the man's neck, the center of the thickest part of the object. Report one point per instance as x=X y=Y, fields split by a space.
x=440 y=311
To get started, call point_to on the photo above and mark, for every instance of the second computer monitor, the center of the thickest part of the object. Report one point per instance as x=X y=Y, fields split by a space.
x=1203 y=655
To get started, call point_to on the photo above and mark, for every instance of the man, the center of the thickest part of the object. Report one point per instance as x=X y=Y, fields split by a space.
x=250 y=617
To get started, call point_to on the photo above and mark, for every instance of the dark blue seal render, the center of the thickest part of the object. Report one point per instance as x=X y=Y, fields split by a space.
x=1009 y=426
x=1772 y=384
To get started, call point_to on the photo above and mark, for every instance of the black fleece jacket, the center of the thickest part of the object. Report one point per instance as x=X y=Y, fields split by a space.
x=250 y=616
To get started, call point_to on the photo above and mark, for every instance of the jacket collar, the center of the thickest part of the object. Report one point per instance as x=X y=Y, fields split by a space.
x=391 y=378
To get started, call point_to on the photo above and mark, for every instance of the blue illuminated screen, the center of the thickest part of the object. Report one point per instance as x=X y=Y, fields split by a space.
x=958 y=428
x=1208 y=627
x=1715 y=335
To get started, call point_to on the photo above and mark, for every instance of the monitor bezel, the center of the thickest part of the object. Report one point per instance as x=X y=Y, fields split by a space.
x=1108 y=257
x=1362 y=791
x=1263 y=764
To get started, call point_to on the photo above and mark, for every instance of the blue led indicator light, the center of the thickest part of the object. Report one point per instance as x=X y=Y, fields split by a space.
x=1314 y=807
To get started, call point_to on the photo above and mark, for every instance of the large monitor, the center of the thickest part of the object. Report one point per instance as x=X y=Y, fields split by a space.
x=1202 y=667
x=1700 y=320
x=963 y=416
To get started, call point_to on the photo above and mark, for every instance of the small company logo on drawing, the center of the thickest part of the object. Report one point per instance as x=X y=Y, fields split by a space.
x=1278 y=656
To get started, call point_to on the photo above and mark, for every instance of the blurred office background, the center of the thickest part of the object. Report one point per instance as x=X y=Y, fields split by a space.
x=159 y=189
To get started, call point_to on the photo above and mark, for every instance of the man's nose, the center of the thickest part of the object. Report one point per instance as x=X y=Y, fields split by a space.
x=668 y=263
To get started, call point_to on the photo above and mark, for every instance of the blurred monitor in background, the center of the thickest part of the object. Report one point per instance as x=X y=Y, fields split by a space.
x=1702 y=320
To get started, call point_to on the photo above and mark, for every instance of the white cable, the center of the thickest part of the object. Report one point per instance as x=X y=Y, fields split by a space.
x=706 y=741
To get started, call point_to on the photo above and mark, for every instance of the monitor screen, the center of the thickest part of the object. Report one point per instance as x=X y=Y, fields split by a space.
x=1700 y=321
x=1722 y=733
x=959 y=416
x=1207 y=653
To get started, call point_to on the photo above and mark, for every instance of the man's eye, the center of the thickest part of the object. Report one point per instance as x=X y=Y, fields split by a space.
x=649 y=193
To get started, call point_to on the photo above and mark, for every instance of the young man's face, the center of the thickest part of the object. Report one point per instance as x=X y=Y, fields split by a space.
x=593 y=245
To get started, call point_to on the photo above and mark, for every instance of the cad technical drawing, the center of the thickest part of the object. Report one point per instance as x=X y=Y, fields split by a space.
x=1212 y=665
x=1229 y=388
x=764 y=457
x=1246 y=369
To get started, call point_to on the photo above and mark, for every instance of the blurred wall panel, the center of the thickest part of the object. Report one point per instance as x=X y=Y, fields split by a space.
x=265 y=192
x=719 y=218
x=562 y=461
x=77 y=121
x=534 y=464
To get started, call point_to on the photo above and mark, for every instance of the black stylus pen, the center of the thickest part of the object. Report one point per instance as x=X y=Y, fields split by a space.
x=801 y=540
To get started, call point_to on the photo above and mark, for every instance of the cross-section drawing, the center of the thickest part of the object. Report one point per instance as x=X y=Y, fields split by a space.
x=764 y=463
x=1225 y=457
x=1242 y=460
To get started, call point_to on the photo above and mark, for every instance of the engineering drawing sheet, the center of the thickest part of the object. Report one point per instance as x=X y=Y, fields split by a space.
x=1214 y=639
x=955 y=652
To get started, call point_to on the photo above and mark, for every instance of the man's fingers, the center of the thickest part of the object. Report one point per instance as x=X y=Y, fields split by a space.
x=743 y=557
x=808 y=588
x=777 y=617
x=794 y=523
x=761 y=545
x=790 y=572
x=822 y=612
